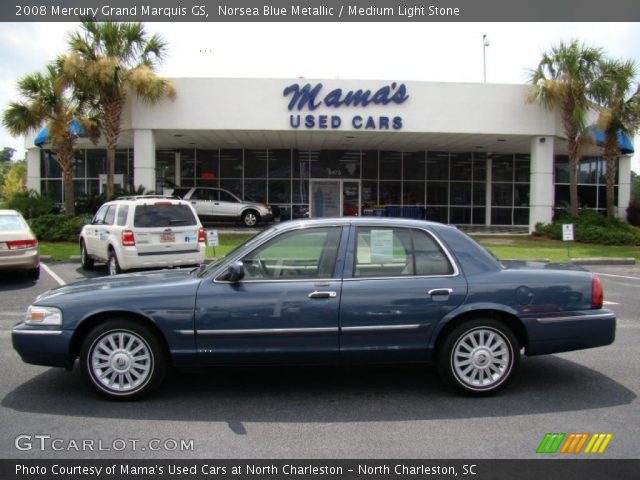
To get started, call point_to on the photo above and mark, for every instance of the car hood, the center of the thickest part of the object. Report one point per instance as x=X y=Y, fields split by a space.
x=125 y=283
x=533 y=265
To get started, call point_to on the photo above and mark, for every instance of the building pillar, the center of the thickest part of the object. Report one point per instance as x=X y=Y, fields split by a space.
x=624 y=186
x=144 y=159
x=33 y=169
x=541 y=197
x=177 y=167
x=488 y=192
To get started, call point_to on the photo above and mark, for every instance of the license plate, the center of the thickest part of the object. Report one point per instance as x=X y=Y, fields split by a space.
x=167 y=237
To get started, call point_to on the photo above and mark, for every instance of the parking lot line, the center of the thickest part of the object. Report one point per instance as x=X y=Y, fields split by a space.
x=618 y=276
x=53 y=274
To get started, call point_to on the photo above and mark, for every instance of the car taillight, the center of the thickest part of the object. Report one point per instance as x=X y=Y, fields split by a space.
x=201 y=236
x=21 y=244
x=597 y=293
x=128 y=239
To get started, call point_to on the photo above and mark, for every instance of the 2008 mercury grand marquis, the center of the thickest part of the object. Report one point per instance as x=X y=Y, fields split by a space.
x=325 y=290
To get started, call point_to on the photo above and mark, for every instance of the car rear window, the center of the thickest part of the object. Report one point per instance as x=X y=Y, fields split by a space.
x=163 y=215
x=11 y=222
x=180 y=192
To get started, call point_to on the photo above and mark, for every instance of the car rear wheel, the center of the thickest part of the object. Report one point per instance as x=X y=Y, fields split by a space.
x=34 y=273
x=112 y=265
x=250 y=218
x=479 y=357
x=123 y=360
x=85 y=258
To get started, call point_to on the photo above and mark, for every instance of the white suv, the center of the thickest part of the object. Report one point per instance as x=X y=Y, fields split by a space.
x=143 y=232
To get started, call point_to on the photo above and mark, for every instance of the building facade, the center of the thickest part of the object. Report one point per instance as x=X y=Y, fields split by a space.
x=467 y=154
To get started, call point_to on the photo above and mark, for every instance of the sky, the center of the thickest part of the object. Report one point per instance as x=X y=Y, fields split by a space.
x=440 y=52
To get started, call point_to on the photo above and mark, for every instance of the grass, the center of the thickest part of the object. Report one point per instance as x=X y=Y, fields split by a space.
x=523 y=247
x=504 y=247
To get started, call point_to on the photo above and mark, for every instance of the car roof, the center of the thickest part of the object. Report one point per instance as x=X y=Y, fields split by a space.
x=369 y=221
x=4 y=211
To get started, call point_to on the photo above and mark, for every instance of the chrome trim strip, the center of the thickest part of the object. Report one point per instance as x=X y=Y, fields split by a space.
x=434 y=290
x=308 y=280
x=185 y=332
x=36 y=332
x=589 y=316
x=378 y=328
x=267 y=331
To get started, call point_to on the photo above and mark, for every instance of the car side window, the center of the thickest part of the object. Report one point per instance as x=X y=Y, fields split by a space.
x=227 y=197
x=122 y=215
x=110 y=216
x=383 y=252
x=299 y=254
x=430 y=258
x=203 y=194
x=98 y=219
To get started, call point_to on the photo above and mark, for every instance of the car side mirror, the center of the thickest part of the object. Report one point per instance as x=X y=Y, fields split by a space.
x=235 y=271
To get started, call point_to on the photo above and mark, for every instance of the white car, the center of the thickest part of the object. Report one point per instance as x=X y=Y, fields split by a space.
x=18 y=245
x=217 y=203
x=143 y=232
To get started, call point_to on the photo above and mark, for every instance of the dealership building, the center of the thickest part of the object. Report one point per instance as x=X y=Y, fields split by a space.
x=473 y=155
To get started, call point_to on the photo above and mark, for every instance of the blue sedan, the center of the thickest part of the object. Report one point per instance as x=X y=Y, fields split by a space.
x=315 y=291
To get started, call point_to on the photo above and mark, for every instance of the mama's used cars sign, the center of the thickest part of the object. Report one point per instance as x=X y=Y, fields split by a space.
x=310 y=97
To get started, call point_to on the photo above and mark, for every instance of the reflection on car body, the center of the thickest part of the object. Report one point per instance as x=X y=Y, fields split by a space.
x=322 y=290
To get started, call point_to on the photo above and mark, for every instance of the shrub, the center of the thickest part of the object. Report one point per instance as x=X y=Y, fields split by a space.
x=31 y=204
x=592 y=227
x=633 y=213
x=57 y=227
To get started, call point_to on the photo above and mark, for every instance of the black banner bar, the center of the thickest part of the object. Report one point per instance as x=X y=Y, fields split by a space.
x=321 y=10
x=547 y=469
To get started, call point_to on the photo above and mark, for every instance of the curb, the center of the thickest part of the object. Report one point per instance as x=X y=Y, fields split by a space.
x=603 y=261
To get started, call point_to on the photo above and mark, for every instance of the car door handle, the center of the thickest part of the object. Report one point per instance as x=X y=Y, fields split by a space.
x=318 y=294
x=440 y=291
x=193 y=203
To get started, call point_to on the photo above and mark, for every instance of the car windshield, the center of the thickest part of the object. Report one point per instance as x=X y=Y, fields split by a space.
x=11 y=222
x=163 y=215
x=206 y=269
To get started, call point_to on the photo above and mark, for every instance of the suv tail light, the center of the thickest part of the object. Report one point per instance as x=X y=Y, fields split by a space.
x=128 y=238
x=201 y=236
x=21 y=244
x=597 y=292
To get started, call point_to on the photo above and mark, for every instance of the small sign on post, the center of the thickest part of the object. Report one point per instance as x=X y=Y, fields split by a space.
x=567 y=236
x=213 y=240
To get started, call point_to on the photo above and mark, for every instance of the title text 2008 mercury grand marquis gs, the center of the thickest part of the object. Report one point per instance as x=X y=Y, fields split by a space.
x=326 y=290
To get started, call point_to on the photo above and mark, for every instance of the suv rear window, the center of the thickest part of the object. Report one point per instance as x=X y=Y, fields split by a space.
x=165 y=215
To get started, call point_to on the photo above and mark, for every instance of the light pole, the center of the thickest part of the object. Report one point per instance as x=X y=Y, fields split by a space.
x=485 y=44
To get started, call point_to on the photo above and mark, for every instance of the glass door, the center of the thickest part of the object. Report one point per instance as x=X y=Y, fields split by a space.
x=335 y=198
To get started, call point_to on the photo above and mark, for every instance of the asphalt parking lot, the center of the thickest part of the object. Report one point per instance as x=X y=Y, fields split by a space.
x=326 y=412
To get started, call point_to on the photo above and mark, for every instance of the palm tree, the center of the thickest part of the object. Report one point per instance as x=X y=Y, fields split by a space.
x=47 y=102
x=565 y=81
x=106 y=61
x=619 y=114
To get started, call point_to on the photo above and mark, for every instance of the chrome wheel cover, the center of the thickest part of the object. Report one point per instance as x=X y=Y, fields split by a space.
x=481 y=359
x=250 y=219
x=120 y=362
x=113 y=266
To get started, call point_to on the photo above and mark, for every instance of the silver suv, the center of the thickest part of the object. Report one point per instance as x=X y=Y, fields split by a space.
x=143 y=232
x=217 y=203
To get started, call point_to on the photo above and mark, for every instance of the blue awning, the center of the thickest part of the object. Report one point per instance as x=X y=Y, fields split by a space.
x=42 y=138
x=624 y=142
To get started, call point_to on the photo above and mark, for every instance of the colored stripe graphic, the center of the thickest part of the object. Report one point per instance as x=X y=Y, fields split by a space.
x=598 y=443
x=550 y=442
x=574 y=443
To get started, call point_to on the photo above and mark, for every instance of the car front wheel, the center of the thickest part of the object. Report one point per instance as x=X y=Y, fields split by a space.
x=479 y=357
x=250 y=218
x=123 y=360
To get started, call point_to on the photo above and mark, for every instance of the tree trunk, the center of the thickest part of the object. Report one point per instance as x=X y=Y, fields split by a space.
x=65 y=159
x=112 y=110
x=611 y=157
x=573 y=148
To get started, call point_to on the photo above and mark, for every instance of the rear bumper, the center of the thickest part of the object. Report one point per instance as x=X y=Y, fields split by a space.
x=134 y=260
x=23 y=260
x=39 y=346
x=570 y=331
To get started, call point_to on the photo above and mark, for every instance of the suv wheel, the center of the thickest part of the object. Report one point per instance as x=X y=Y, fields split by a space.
x=479 y=357
x=123 y=360
x=112 y=265
x=250 y=218
x=85 y=260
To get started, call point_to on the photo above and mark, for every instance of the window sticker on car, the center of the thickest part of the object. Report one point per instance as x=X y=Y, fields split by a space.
x=381 y=246
x=190 y=237
x=103 y=235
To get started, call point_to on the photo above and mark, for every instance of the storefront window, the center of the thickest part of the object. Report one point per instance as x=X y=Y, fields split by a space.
x=370 y=164
x=461 y=166
x=255 y=163
x=437 y=166
x=231 y=164
x=96 y=162
x=391 y=165
x=279 y=164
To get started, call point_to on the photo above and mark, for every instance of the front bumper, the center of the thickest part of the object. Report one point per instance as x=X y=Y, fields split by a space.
x=42 y=346
x=554 y=333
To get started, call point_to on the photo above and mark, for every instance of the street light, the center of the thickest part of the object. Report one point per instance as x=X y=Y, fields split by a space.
x=485 y=44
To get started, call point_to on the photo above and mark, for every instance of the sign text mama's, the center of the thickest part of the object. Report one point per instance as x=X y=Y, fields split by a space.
x=311 y=97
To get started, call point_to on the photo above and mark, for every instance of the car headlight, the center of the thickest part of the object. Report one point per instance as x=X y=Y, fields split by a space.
x=43 y=316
